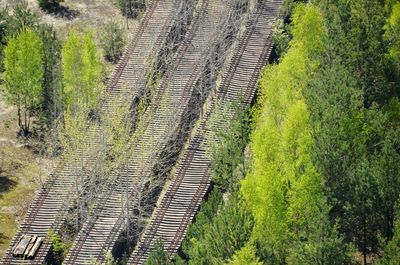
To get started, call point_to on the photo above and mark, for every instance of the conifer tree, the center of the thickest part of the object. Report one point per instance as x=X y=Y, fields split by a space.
x=392 y=250
x=158 y=256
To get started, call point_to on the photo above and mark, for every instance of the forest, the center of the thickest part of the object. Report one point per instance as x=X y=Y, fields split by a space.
x=310 y=174
x=317 y=179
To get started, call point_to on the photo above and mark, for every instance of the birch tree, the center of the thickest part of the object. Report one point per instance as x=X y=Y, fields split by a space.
x=23 y=75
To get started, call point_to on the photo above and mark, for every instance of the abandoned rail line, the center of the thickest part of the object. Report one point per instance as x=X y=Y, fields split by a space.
x=190 y=181
x=101 y=232
x=48 y=209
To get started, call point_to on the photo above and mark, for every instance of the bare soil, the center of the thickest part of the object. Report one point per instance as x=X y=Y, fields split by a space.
x=82 y=14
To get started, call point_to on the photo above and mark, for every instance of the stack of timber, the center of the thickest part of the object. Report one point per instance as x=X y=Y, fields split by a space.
x=27 y=246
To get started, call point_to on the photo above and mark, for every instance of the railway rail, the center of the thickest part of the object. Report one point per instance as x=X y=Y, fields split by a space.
x=191 y=180
x=48 y=209
x=101 y=232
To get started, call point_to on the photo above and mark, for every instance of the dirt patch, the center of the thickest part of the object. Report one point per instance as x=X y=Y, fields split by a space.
x=88 y=14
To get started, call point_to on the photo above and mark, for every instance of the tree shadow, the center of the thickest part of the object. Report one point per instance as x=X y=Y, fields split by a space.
x=6 y=184
x=61 y=11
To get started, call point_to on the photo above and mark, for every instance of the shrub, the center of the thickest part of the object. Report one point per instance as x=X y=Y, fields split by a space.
x=112 y=41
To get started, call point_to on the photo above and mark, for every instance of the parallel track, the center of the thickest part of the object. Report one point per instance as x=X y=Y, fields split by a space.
x=48 y=209
x=191 y=180
x=101 y=231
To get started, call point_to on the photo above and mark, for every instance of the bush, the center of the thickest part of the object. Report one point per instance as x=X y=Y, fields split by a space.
x=59 y=247
x=158 y=256
x=131 y=8
x=112 y=41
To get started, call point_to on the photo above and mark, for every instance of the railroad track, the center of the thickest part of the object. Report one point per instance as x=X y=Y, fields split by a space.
x=101 y=232
x=191 y=180
x=48 y=209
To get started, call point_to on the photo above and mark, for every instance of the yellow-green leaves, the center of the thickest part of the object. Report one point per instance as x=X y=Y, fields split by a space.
x=23 y=69
x=23 y=74
x=308 y=29
x=92 y=68
x=392 y=34
x=246 y=255
x=281 y=139
x=82 y=68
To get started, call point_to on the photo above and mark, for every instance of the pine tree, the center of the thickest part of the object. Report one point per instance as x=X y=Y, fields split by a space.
x=158 y=256
x=392 y=250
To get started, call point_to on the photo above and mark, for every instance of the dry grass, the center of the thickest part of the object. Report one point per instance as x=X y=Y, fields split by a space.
x=83 y=15
x=21 y=170
x=20 y=173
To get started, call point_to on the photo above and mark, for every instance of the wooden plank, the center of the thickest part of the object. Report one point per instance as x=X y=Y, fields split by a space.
x=20 y=249
x=30 y=245
x=35 y=247
x=16 y=244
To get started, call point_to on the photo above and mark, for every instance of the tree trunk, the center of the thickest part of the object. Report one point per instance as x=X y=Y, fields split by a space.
x=19 y=115
x=25 y=124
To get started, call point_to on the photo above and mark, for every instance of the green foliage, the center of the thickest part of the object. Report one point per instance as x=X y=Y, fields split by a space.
x=392 y=37
x=23 y=74
x=59 y=247
x=359 y=26
x=52 y=87
x=246 y=255
x=208 y=210
x=392 y=250
x=131 y=8
x=228 y=154
x=112 y=41
x=92 y=70
x=12 y=22
x=109 y=259
x=158 y=256
x=81 y=71
x=72 y=66
x=312 y=238
x=354 y=118
x=284 y=188
x=281 y=37
x=226 y=232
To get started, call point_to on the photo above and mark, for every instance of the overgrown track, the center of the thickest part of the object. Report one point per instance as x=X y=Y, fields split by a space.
x=102 y=231
x=191 y=180
x=48 y=209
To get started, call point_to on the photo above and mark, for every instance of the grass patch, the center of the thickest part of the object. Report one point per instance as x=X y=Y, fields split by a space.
x=7 y=230
x=18 y=184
